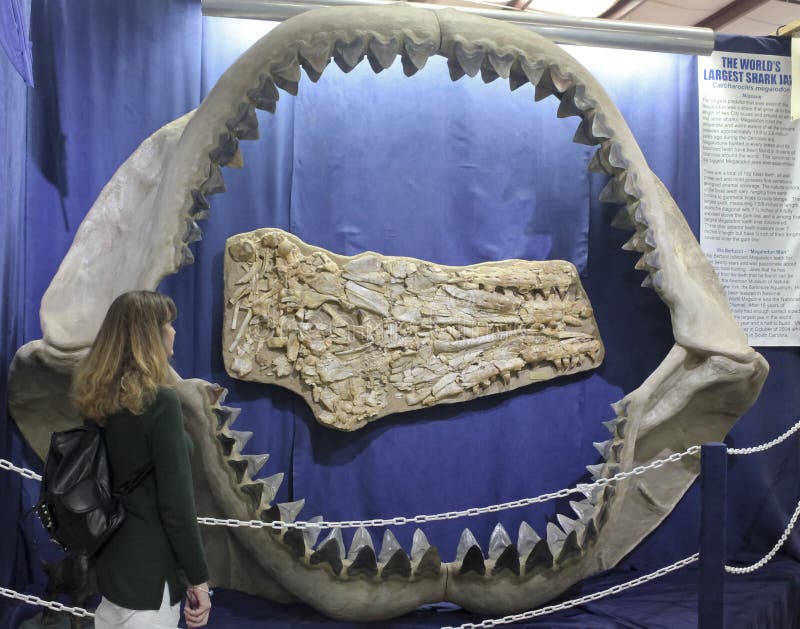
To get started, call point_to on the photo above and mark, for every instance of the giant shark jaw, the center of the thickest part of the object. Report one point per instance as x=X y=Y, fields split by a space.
x=139 y=230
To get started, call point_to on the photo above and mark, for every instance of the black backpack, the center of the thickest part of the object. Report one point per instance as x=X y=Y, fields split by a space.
x=76 y=504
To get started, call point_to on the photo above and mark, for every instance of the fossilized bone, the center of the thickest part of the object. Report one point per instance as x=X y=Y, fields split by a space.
x=708 y=379
x=366 y=336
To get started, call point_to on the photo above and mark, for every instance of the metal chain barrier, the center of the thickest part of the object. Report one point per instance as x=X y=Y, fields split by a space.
x=54 y=605
x=8 y=465
x=451 y=515
x=768 y=557
x=768 y=445
x=616 y=589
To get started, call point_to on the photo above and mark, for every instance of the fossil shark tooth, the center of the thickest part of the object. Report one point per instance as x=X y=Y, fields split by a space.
x=555 y=538
x=596 y=470
x=240 y=437
x=466 y=542
x=389 y=546
x=214 y=183
x=546 y=86
x=348 y=55
x=635 y=242
x=473 y=562
x=415 y=55
x=487 y=72
x=233 y=441
x=540 y=557
x=226 y=149
x=239 y=468
x=245 y=123
x=255 y=490
x=567 y=524
x=651 y=261
x=266 y=95
x=620 y=408
x=287 y=77
x=516 y=75
x=584 y=509
x=470 y=58
x=498 y=541
x=590 y=534
x=507 y=560
x=570 y=547
x=311 y=533
x=638 y=215
x=361 y=538
x=193 y=232
x=583 y=135
x=419 y=545
x=603 y=447
x=455 y=69
x=600 y=162
x=248 y=464
x=527 y=538
x=271 y=486
x=601 y=131
x=335 y=535
x=430 y=564
x=381 y=54
x=330 y=551
x=533 y=69
x=397 y=565
x=294 y=540
x=364 y=563
x=614 y=191
x=567 y=107
x=290 y=510
x=501 y=62
x=226 y=416
x=255 y=462
x=622 y=220
x=314 y=57
x=200 y=206
x=593 y=494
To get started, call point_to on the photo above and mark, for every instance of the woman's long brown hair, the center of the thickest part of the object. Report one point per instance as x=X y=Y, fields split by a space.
x=127 y=361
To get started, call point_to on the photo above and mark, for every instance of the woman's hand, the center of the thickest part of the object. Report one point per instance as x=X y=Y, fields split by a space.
x=198 y=605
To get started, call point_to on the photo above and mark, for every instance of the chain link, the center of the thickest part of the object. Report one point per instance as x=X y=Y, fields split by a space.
x=768 y=557
x=616 y=589
x=54 y=605
x=8 y=465
x=769 y=444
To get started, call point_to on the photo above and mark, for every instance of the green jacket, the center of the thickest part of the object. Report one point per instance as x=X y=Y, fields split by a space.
x=159 y=540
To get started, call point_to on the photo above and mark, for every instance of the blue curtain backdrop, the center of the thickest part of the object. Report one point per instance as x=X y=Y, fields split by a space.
x=457 y=173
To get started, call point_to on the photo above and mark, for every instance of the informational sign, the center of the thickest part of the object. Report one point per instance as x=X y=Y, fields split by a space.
x=750 y=191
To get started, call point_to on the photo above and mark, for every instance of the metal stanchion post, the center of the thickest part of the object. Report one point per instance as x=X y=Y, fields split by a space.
x=711 y=580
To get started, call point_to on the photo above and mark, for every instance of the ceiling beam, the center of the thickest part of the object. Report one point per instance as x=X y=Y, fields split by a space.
x=730 y=12
x=620 y=9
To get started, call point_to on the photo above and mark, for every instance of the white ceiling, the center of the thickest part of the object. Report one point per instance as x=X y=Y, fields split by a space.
x=761 y=20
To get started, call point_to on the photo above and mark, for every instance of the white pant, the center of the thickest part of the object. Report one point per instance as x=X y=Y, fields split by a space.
x=111 y=616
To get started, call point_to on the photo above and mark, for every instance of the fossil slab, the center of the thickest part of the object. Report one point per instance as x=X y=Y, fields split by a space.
x=364 y=336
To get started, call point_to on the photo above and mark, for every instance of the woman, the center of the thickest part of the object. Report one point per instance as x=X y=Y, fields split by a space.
x=156 y=555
